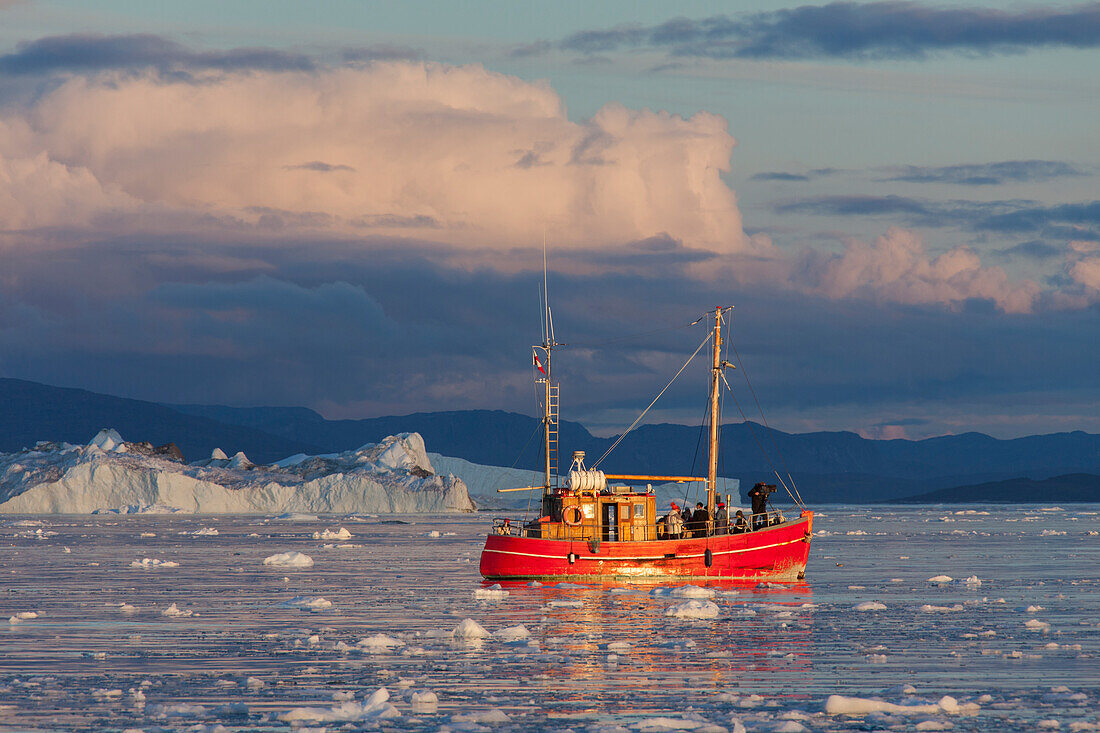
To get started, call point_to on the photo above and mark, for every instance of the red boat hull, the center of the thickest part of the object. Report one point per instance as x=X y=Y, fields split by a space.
x=777 y=553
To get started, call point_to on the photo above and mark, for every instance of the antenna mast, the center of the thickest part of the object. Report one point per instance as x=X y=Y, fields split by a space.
x=715 y=418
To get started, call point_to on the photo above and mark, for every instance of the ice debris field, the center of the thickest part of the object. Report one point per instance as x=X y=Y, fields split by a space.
x=911 y=619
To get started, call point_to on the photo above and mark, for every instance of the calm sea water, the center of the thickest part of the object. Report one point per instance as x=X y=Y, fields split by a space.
x=1022 y=644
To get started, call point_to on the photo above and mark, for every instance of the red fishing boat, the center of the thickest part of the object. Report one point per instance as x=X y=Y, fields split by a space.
x=600 y=526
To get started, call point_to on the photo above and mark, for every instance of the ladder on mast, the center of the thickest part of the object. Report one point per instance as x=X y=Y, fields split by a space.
x=552 y=428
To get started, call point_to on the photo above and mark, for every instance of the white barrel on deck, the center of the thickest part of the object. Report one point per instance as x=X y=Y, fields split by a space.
x=593 y=481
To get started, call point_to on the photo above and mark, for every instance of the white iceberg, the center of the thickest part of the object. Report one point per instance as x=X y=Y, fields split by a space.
x=289 y=560
x=694 y=608
x=393 y=476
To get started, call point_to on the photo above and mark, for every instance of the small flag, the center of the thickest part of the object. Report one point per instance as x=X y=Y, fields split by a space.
x=535 y=362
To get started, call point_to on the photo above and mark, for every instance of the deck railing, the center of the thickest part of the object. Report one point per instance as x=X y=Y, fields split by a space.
x=584 y=533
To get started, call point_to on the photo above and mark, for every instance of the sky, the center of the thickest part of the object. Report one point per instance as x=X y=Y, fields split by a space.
x=344 y=206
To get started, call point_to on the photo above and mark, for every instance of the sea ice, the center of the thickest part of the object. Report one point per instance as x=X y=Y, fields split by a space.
x=289 y=560
x=691 y=591
x=149 y=562
x=307 y=603
x=928 y=608
x=424 y=702
x=493 y=593
x=513 y=633
x=379 y=644
x=694 y=608
x=175 y=610
x=941 y=579
x=331 y=534
x=869 y=606
x=1034 y=624
x=470 y=629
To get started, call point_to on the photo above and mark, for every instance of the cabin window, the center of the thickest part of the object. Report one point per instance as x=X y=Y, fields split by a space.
x=639 y=511
x=589 y=510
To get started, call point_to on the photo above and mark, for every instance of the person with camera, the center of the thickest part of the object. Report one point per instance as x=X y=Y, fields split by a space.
x=758 y=495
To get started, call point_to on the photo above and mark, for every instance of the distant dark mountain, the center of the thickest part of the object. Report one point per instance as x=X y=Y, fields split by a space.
x=827 y=466
x=32 y=412
x=1074 y=487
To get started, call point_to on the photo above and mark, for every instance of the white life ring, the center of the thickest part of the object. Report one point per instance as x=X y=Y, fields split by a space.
x=577 y=519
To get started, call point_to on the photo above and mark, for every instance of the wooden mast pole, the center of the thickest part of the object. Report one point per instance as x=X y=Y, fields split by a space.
x=712 y=446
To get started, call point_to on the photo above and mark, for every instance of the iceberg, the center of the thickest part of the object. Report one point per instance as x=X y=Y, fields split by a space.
x=110 y=475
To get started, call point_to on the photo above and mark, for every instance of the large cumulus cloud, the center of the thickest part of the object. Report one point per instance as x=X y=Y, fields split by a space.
x=464 y=155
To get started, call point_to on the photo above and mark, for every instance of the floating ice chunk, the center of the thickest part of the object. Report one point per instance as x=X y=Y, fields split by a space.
x=876 y=658
x=694 y=608
x=557 y=603
x=22 y=616
x=841 y=705
x=655 y=725
x=567 y=585
x=941 y=579
x=618 y=646
x=149 y=562
x=928 y=608
x=289 y=560
x=1034 y=624
x=424 y=702
x=298 y=517
x=218 y=455
x=1048 y=724
x=127 y=608
x=869 y=606
x=176 y=611
x=1030 y=609
x=513 y=633
x=493 y=593
x=332 y=534
x=692 y=591
x=307 y=603
x=375 y=708
x=204 y=532
x=470 y=629
x=973 y=581
x=379 y=644
x=434 y=533
x=179 y=710
x=534 y=584
x=254 y=683
x=934 y=725
x=789 y=726
x=496 y=715
x=1051 y=533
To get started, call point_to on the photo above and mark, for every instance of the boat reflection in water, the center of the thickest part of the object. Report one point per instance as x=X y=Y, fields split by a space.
x=618 y=637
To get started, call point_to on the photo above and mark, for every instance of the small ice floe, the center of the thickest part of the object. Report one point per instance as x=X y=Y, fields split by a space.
x=22 y=616
x=254 y=683
x=127 y=608
x=557 y=603
x=691 y=591
x=876 y=658
x=434 y=533
x=567 y=585
x=929 y=608
x=176 y=612
x=104 y=693
x=695 y=609
x=941 y=579
x=98 y=656
x=149 y=562
x=289 y=560
x=178 y=710
x=493 y=593
x=298 y=517
x=470 y=629
x=307 y=603
x=513 y=634
x=332 y=534
x=534 y=584
x=1051 y=533
x=1034 y=624
x=489 y=717
x=66 y=551
x=869 y=606
x=841 y=705
x=1029 y=609
x=379 y=644
x=424 y=702
x=972 y=581
x=204 y=532
x=375 y=707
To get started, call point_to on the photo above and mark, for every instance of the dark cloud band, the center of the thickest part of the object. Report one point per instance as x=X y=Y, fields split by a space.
x=903 y=30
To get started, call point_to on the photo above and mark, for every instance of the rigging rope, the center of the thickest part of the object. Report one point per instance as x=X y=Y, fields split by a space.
x=761 y=447
x=633 y=425
x=768 y=427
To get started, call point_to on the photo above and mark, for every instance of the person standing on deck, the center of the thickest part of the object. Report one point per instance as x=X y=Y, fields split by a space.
x=699 y=520
x=685 y=515
x=740 y=525
x=758 y=495
x=674 y=523
x=721 y=519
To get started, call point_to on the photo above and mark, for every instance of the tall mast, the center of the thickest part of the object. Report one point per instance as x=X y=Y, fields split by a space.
x=715 y=419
